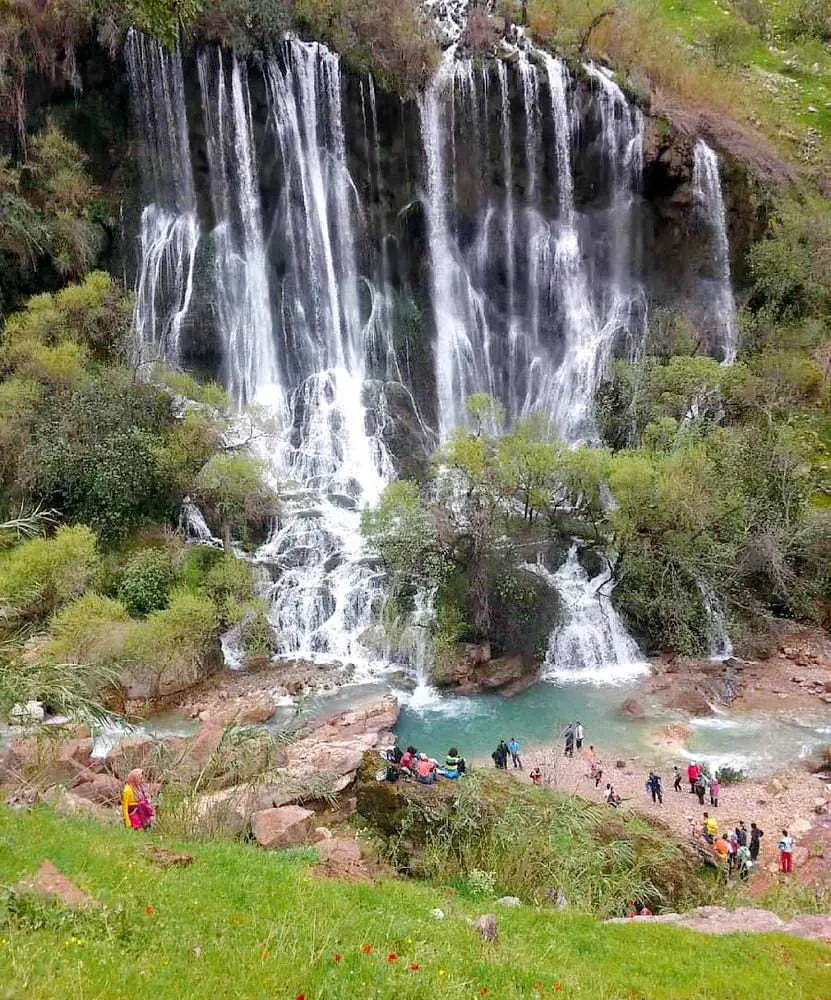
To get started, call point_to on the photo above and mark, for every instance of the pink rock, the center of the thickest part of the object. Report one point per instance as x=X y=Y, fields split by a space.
x=285 y=826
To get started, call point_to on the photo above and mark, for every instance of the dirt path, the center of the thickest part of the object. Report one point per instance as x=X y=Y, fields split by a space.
x=787 y=799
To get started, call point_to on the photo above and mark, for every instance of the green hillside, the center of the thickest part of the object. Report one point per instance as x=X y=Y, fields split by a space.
x=242 y=923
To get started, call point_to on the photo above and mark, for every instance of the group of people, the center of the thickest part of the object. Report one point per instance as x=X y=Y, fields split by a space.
x=412 y=764
x=738 y=849
x=700 y=783
x=505 y=750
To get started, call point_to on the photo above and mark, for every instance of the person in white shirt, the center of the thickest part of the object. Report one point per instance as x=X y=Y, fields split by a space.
x=786 y=853
x=578 y=735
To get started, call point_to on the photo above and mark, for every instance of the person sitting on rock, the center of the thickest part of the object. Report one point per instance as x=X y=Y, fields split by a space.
x=454 y=765
x=408 y=758
x=536 y=776
x=136 y=810
x=425 y=770
x=611 y=796
x=639 y=909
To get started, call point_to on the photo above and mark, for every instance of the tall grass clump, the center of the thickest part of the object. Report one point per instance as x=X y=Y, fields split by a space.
x=543 y=846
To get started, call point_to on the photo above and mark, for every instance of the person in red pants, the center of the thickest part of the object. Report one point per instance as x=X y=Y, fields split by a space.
x=786 y=853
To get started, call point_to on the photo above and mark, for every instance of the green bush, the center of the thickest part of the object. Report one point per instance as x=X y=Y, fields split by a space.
x=179 y=635
x=90 y=630
x=230 y=585
x=39 y=575
x=146 y=582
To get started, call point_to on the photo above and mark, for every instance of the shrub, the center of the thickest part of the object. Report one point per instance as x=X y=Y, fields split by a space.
x=89 y=630
x=728 y=775
x=146 y=582
x=230 y=585
x=39 y=575
x=809 y=19
x=178 y=636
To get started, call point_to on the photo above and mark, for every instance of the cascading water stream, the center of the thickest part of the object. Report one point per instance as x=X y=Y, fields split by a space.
x=721 y=305
x=241 y=274
x=592 y=645
x=169 y=229
x=326 y=589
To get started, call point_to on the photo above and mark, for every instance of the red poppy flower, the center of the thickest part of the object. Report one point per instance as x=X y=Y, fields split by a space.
x=337 y=957
x=366 y=948
x=557 y=987
x=392 y=957
x=300 y=996
x=413 y=966
x=264 y=953
x=484 y=991
x=149 y=911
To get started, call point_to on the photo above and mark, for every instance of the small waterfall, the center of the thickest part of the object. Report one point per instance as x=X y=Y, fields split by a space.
x=721 y=647
x=721 y=305
x=194 y=527
x=169 y=230
x=592 y=644
x=241 y=274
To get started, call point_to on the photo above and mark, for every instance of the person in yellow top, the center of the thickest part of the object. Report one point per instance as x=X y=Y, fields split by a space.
x=136 y=810
x=710 y=826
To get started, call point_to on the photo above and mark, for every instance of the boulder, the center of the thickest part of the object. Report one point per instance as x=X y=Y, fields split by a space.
x=631 y=708
x=246 y=713
x=285 y=826
x=689 y=700
x=68 y=803
x=50 y=881
x=509 y=901
x=816 y=926
x=102 y=789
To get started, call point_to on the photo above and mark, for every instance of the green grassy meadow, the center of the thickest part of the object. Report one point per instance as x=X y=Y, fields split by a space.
x=242 y=923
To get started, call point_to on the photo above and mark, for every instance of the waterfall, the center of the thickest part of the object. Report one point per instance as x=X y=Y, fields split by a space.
x=515 y=311
x=592 y=643
x=721 y=305
x=241 y=275
x=169 y=230
x=327 y=458
x=720 y=645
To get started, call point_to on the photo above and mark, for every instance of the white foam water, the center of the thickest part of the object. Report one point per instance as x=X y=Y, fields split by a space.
x=592 y=644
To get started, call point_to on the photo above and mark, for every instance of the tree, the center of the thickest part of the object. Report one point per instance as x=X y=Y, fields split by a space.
x=231 y=487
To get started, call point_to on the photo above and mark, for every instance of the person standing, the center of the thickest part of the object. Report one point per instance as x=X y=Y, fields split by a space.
x=693 y=774
x=578 y=735
x=755 y=842
x=700 y=788
x=568 y=734
x=136 y=811
x=513 y=749
x=744 y=862
x=710 y=827
x=741 y=834
x=786 y=845
x=715 y=788
x=676 y=784
x=654 y=785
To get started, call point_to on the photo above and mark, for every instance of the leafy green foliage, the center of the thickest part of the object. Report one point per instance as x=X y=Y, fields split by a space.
x=232 y=489
x=48 y=229
x=146 y=582
x=40 y=574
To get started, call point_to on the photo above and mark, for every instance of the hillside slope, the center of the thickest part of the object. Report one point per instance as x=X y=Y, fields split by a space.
x=242 y=923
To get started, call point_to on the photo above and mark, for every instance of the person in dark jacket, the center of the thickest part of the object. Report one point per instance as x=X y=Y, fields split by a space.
x=654 y=785
x=755 y=841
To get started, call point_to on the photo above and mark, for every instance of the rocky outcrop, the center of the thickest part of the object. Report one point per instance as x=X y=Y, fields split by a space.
x=52 y=883
x=468 y=669
x=283 y=827
x=743 y=920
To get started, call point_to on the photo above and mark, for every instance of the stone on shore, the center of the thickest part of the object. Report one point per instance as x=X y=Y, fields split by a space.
x=283 y=827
